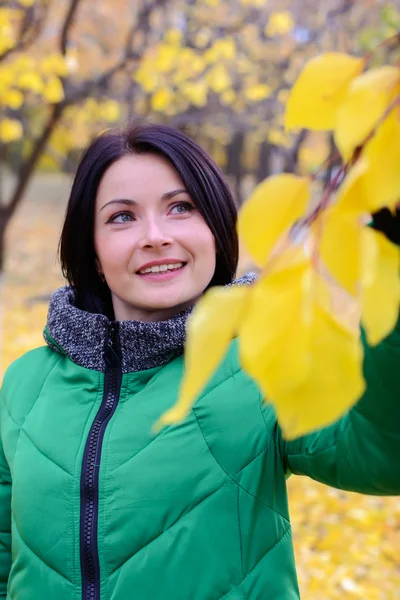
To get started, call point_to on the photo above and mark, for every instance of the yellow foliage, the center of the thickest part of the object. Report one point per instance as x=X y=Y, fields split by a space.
x=367 y=98
x=339 y=241
x=10 y=130
x=381 y=292
x=218 y=78
x=279 y=23
x=228 y=97
x=166 y=57
x=53 y=90
x=196 y=92
x=210 y=330
x=30 y=81
x=320 y=89
x=173 y=36
x=257 y=92
x=272 y=208
x=221 y=49
x=320 y=348
x=12 y=98
x=109 y=110
x=382 y=155
x=161 y=99
x=54 y=64
x=256 y=3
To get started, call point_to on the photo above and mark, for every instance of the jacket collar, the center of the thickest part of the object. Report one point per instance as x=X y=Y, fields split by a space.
x=82 y=335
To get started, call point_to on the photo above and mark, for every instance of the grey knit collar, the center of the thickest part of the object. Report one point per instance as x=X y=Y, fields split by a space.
x=82 y=335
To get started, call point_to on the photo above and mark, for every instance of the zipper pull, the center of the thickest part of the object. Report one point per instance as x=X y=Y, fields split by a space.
x=112 y=351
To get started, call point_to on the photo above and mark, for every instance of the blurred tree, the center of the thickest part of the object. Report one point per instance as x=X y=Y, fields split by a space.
x=70 y=62
x=219 y=70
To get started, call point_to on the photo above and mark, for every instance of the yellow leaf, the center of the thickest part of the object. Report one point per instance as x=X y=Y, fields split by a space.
x=218 y=78
x=382 y=153
x=257 y=92
x=196 y=92
x=367 y=97
x=161 y=99
x=54 y=64
x=334 y=384
x=277 y=312
x=221 y=49
x=339 y=243
x=166 y=57
x=30 y=81
x=10 y=130
x=210 y=330
x=381 y=291
x=53 y=90
x=275 y=204
x=109 y=110
x=320 y=89
x=12 y=99
x=351 y=196
x=228 y=97
x=173 y=36
x=279 y=23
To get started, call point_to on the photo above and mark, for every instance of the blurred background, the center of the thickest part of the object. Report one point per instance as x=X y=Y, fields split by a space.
x=220 y=70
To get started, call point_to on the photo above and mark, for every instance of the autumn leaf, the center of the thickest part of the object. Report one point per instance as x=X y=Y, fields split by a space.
x=210 y=329
x=339 y=245
x=276 y=312
x=335 y=382
x=257 y=92
x=275 y=204
x=381 y=289
x=279 y=23
x=53 y=90
x=382 y=153
x=10 y=130
x=351 y=196
x=161 y=99
x=367 y=97
x=320 y=89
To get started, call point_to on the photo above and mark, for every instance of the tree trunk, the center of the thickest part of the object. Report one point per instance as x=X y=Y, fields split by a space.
x=292 y=157
x=24 y=176
x=264 y=158
x=234 y=168
x=3 y=227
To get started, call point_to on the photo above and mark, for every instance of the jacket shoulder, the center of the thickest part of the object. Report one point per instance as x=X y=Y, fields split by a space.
x=25 y=377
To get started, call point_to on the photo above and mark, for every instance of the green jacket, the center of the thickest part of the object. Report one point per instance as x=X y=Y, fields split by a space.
x=94 y=507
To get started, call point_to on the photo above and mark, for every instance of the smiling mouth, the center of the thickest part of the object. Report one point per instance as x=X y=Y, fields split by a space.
x=162 y=272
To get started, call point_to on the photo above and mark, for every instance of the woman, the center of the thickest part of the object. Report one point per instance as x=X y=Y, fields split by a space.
x=93 y=506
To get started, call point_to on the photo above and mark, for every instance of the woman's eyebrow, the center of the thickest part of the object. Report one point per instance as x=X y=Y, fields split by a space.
x=169 y=195
x=126 y=201
x=130 y=202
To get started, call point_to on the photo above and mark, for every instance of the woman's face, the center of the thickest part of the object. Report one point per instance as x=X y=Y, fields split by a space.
x=154 y=248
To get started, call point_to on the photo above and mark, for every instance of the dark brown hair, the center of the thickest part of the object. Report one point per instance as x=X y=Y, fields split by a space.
x=201 y=177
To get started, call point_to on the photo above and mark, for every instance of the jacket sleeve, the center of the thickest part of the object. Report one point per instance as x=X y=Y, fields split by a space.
x=5 y=520
x=361 y=451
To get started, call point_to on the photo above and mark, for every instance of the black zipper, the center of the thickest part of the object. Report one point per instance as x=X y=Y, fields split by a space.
x=90 y=565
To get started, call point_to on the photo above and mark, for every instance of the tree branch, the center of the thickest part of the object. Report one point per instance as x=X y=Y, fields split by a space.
x=141 y=24
x=68 y=21
x=31 y=27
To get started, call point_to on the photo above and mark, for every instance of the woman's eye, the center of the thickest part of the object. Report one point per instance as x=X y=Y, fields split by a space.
x=122 y=217
x=182 y=208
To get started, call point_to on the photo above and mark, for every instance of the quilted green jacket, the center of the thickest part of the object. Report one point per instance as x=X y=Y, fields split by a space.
x=94 y=507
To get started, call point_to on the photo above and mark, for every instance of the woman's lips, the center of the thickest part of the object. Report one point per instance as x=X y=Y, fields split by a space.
x=162 y=275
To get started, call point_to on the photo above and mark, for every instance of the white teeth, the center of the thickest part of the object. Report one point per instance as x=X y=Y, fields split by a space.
x=162 y=268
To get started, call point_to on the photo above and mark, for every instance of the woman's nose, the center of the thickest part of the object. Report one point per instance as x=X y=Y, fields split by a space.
x=154 y=234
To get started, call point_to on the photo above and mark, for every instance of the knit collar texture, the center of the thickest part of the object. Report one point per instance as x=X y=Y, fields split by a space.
x=82 y=335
